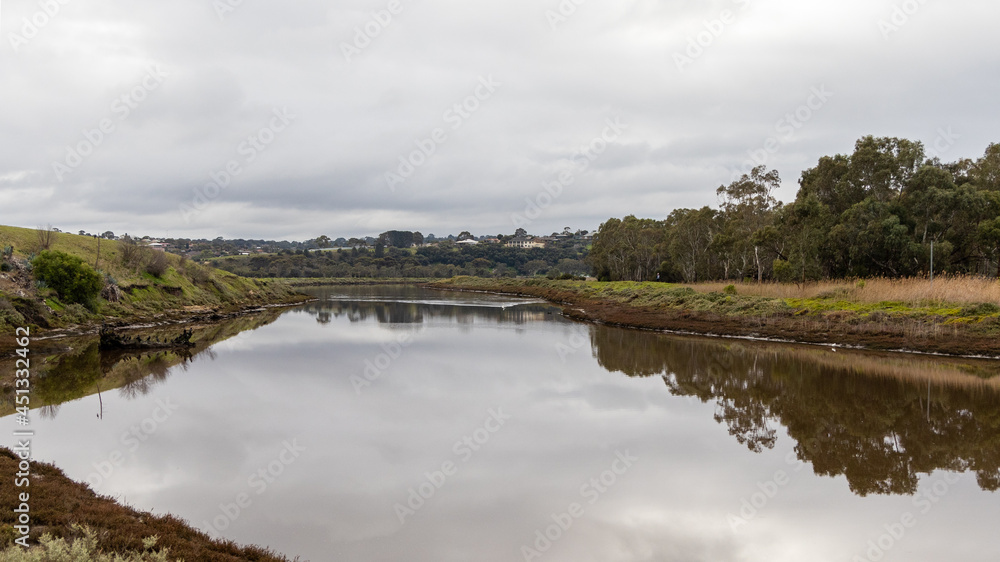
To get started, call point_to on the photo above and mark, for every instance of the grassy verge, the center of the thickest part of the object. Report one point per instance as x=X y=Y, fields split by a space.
x=72 y=512
x=964 y=321
x=182 y=288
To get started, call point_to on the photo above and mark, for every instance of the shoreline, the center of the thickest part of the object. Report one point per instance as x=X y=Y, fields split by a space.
x=893 y=333
x=174 y=317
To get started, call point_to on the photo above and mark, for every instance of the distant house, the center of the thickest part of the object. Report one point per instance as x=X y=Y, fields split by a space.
x=525 y=242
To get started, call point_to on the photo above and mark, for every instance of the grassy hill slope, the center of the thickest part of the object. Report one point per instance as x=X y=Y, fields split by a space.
x=132 y=291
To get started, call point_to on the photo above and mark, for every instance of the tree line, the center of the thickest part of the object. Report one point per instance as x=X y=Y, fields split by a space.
x=386 y=260
x=883 y=210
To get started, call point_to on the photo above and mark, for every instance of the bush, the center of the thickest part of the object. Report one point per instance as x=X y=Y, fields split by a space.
x=83 y=549
x=129 y=252
x=730 y=290
x=73 y=280
x=6 y=254
x=9 y=316
x=197 y=273
x=157 y=263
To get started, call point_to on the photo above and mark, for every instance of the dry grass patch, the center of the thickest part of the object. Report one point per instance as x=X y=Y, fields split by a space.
x=961 y=290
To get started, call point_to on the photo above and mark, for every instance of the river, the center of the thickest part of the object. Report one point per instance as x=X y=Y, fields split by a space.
x=397 y=423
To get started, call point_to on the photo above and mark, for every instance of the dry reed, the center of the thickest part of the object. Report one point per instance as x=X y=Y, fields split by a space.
x=959 y=289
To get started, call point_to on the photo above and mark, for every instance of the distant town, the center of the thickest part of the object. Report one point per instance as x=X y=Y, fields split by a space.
x=204 y=249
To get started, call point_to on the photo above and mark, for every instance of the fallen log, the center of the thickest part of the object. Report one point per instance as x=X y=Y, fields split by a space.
x=110 y=339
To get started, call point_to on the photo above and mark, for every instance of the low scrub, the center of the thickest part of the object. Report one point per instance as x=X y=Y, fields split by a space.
x=83 y=549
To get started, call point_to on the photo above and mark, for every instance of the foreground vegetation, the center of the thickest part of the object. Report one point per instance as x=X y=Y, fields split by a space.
x=72 y=514
x=907 y=314
x=82 y=549
x=57 y=280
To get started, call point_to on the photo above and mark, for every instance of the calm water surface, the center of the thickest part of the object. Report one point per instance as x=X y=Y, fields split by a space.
x=388 y=423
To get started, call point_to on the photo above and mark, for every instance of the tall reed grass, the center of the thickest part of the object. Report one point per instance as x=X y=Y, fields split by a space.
x=958 y=289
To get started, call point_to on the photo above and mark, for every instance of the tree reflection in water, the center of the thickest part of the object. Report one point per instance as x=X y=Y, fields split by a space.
x=881 y=420
x=83 y=370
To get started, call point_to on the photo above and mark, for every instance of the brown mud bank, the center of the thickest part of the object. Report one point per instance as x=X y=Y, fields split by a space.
x=770 y=319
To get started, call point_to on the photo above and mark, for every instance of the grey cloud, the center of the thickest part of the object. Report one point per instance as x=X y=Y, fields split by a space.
x=689 y=130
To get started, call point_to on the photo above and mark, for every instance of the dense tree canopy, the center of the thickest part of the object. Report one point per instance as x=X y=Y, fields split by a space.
x=875 y=212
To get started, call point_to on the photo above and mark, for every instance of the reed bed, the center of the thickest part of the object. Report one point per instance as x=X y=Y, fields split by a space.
x=957 y=289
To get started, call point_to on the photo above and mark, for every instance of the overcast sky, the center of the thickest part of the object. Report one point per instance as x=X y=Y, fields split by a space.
x=315 y=106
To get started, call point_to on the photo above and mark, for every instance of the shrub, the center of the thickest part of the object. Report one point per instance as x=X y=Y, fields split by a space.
x=6 y=254
x=730 y=290
x=197 y=273
x=81 y=549
x=129 y=252
x=9 y=316
x=157 y=263
x=73 y=280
